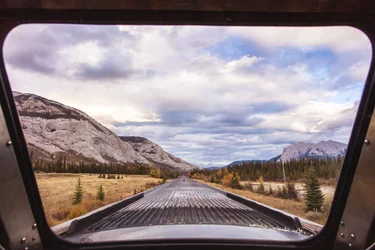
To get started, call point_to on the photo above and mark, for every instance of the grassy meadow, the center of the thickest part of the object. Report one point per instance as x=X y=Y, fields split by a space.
x=57 y=190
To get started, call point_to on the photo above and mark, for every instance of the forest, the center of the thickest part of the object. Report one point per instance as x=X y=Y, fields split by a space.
x=325 y=168
x=61 y=165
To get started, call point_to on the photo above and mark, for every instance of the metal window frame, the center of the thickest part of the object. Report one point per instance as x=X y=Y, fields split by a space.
x=18 y=159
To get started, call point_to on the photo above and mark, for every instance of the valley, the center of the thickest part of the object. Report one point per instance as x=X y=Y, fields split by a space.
x=65 y=144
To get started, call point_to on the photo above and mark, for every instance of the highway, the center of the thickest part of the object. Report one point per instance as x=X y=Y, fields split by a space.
x=185 y=201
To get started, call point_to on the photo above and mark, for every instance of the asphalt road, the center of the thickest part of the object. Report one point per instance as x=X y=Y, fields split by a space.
x=185 y=201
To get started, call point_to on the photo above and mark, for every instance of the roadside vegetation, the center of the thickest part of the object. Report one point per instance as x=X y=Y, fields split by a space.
x=249 y=180
x=109 y=171
x=66 y=196
x=296 y=207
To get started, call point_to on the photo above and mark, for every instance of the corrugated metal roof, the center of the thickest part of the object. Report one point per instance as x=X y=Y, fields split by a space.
x=185 y=201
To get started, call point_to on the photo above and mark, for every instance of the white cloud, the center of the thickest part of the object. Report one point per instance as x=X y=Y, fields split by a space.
x=359 y=70
x=244 y=107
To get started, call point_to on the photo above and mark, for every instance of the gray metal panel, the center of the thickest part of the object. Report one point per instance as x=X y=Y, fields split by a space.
x=188 y=232
x=185 y=201
x=360 y=209
x=15 y=211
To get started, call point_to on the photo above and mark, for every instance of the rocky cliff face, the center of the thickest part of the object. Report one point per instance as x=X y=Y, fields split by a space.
x=155 y=154
x=320 y=149
x=53 y=129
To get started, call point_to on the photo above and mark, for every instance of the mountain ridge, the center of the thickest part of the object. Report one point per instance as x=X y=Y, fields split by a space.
x=54 y=130
x=300 y=150
x=155 y=153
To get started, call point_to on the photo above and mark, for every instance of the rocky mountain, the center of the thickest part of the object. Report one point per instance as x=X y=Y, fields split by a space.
x=276 y=158
x=53 y=129
x=320 y=149
x=155 y=154
x=301 y=150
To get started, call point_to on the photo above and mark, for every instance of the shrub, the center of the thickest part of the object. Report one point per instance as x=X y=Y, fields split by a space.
x=227 y=180
x=249 y=187
x=292 y=192
x=314 y=215
x=284 y=193
x=270 y=191
x=327 y=203
x=76 y=211
x=236 y=181
x=278 y=192
x=261 y=189
x=60 y=214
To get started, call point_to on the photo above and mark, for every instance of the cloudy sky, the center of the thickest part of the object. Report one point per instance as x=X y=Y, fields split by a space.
x=210 y=95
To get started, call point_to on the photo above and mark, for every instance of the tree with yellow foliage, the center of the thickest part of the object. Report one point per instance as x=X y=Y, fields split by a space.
x=227 y=180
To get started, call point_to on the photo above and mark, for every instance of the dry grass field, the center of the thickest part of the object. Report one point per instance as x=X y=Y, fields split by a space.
x=56 y=191
x=290 y=206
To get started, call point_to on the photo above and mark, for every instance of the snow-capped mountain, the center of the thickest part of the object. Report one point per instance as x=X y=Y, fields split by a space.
x=155 y=154
x=320 y=149
x=53 y=129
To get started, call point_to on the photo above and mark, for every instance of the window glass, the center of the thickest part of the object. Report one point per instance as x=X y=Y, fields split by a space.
x=186 y=131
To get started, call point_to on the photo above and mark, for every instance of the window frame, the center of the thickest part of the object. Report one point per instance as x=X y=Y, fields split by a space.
x=324 y=240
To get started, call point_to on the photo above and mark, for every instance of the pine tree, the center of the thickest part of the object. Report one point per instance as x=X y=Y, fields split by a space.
x=284 y=193
x=212 y=179
x=78 y=194
x=292 y=192
x=314 y=196
x=100 y=193
x=236 y=181
x=270 y=191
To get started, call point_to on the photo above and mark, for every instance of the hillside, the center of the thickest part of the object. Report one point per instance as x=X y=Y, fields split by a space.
x=53 y=130
x=321 y=149
x=155 y=154
x=300 y=150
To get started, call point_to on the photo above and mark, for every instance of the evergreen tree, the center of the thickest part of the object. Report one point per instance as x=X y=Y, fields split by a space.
x=314 y=196
x=292 y=192
x=78 y=194
x=270 y=191
x=278 y=192
x=100 y=193
x=284 y=193
x=236 y=181
x=212 y=179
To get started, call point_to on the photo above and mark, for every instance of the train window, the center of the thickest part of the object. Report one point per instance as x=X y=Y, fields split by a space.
x=148 y=132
